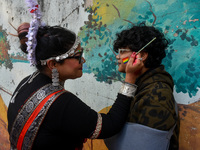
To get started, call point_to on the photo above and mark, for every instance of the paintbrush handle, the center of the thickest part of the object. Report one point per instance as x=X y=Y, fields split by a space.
x=145 y=45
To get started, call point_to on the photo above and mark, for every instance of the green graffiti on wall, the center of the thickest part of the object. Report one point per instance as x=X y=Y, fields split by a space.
x=7 y=59
x=4 y=46
x=177 y=19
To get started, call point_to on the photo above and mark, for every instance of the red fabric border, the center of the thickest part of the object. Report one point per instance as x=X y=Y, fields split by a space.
x=31 y=119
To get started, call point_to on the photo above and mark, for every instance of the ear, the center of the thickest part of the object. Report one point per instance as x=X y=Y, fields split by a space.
x=144 y=55
x=51 y=64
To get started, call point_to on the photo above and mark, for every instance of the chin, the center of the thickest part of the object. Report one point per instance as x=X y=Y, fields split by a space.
x=121 y=70
x=79 y=75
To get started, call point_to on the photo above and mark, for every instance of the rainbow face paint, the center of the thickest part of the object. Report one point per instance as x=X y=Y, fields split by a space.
x=125 y=60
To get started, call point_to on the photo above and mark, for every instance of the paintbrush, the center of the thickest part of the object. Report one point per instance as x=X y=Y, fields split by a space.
x=145 y=45
x=125 y=60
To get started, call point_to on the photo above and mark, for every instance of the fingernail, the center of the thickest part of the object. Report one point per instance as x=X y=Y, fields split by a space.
x=133 y=55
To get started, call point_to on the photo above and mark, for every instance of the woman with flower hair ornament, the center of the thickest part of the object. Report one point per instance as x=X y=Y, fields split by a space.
x=41 y=113
x=65 y=119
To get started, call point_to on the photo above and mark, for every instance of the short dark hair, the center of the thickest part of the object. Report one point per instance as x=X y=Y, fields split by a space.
x=138 y=36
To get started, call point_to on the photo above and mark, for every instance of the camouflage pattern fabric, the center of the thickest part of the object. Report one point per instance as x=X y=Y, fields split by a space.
x=154 y=103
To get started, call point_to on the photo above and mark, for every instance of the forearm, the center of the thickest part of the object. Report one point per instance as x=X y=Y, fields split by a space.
x=115 y=119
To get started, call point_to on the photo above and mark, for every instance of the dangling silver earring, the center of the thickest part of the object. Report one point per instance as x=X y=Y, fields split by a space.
x=55 y=77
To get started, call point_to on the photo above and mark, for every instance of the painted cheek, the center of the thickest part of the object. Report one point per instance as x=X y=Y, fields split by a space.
x=125 y=60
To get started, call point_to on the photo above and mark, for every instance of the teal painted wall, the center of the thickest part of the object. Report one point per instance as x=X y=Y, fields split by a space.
x=97 y=22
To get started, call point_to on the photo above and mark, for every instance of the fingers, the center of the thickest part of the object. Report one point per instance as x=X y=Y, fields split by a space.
x=138 y=59
x=135 y=58
x=134 y=64
x=132 y=58
x=138 y=55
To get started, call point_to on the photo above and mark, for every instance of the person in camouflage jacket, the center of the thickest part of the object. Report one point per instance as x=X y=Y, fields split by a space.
x=154 y=104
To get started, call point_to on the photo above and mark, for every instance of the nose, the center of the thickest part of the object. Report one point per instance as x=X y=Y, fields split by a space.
x=83 y=60
x=117 y=57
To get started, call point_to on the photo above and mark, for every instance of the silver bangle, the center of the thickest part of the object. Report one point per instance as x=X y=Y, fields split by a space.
x=128 y=89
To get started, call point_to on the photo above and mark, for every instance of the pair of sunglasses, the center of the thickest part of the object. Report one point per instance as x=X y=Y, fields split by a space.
x=121 y=50
x=79 y=57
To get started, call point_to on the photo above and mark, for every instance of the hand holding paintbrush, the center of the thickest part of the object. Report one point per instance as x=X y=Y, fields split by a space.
x=125 y=60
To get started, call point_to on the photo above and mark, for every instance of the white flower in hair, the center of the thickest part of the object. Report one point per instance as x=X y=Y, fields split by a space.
x=34 y=25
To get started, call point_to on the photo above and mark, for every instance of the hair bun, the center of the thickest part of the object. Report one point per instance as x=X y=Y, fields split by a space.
x=24 y=27
x=22 y=31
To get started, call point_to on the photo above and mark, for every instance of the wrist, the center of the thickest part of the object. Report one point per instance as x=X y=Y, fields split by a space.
x=128 y=89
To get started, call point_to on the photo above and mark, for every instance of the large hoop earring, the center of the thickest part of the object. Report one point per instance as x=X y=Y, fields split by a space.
x=55 y=77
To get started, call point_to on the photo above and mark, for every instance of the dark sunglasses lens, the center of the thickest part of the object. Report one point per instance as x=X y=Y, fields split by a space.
x=80 y=57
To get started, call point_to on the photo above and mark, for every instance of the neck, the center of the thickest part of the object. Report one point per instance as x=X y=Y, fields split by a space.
x=144 y=69
x=47 y=72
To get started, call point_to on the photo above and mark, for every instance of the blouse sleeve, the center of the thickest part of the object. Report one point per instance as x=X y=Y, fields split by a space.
x=80 y=120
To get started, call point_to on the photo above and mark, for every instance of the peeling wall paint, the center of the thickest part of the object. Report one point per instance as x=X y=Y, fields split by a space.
x=97 y=22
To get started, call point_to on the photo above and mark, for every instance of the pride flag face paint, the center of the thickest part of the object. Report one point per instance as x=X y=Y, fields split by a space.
x=125 y=60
